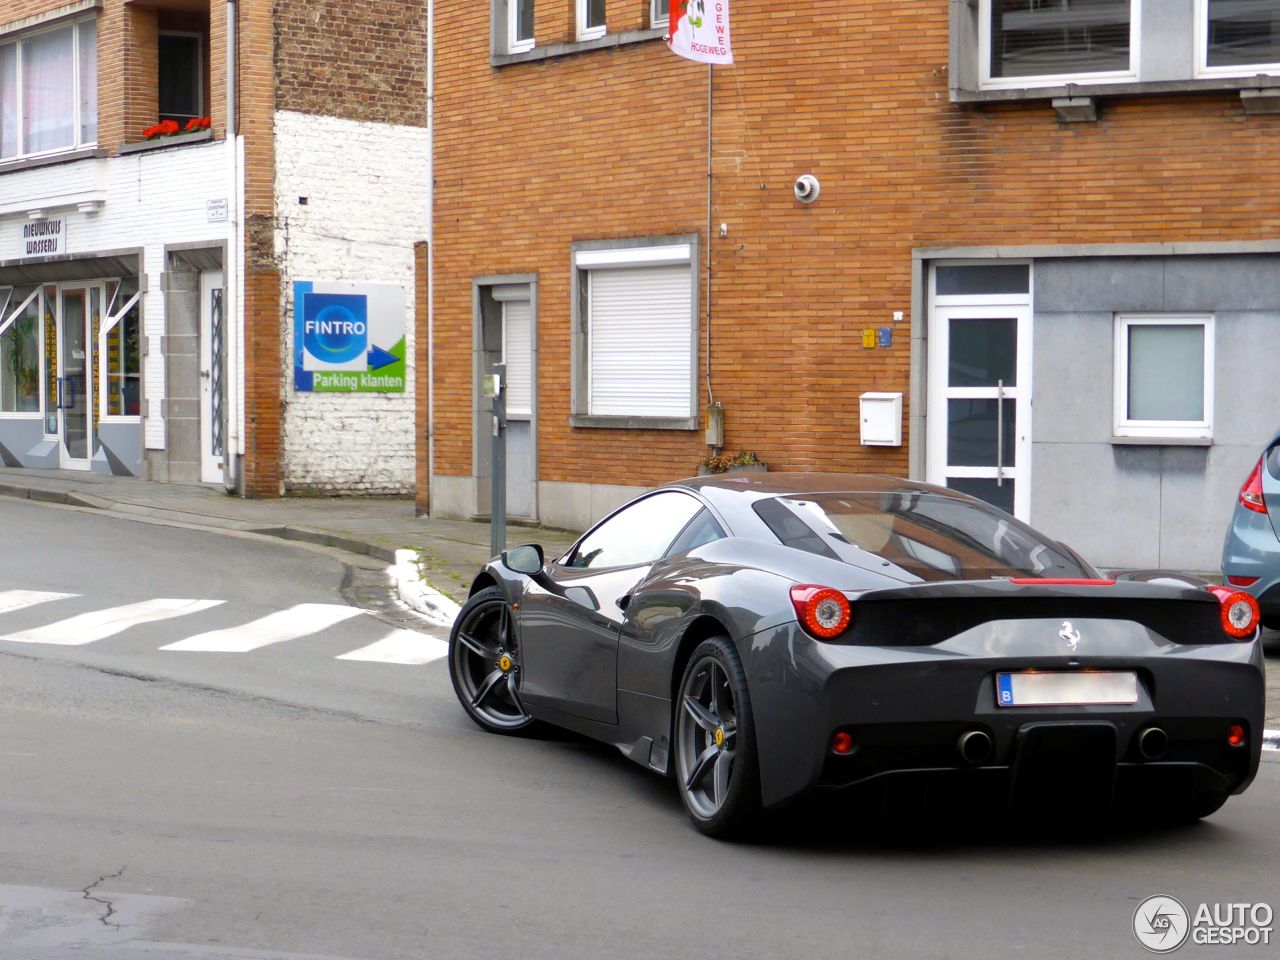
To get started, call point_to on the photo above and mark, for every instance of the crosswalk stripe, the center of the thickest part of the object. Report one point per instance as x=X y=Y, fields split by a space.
x=100 y=624
x=11 y=600
x=298 y=621
x=401 y=646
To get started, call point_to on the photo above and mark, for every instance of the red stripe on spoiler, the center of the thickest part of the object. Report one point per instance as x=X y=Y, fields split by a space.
x=1050 y=582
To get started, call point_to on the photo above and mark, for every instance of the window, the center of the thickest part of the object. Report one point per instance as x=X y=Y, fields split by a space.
x=181 y=76
x=49 y=91
x=701 y=530
x=659 y=12
x=517 y=354
x=637 y=328
x=590 y=19
x=638 y=533
x=1043 y=41
x=1238 y=36
x=19 y=351
x=519 y=25
x=1164 y=377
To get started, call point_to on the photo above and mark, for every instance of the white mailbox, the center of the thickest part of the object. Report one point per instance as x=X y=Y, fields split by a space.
x=880 y=415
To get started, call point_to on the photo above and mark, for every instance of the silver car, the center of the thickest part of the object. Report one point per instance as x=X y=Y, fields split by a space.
x=1251 y=553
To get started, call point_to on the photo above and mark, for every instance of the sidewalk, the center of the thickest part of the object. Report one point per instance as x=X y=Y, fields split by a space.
x=452 y=551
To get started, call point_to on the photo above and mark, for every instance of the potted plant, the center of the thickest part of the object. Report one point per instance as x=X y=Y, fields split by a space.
x=744 y=461
x=23 y=362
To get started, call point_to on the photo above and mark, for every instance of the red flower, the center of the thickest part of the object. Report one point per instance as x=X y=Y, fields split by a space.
x=197 y=123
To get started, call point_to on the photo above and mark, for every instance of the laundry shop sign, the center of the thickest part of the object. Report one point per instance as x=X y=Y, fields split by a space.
x=348 y=337
x=43 y=238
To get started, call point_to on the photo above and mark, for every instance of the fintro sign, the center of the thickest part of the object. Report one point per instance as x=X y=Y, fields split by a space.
x=348 y=337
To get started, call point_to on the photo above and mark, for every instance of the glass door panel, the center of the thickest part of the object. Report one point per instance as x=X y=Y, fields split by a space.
x=74 y=399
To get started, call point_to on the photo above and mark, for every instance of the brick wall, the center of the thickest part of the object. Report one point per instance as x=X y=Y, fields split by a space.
x=367 y=200
x=421 y=409
x=611 y=143
x=360 y=61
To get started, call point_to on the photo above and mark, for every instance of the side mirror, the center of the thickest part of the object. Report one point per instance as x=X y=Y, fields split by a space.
x=526 y=558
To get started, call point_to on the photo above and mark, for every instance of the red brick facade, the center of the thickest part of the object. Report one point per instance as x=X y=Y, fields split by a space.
x=531 y=157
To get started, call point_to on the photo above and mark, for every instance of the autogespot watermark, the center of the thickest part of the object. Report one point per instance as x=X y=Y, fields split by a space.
x=1162 y=924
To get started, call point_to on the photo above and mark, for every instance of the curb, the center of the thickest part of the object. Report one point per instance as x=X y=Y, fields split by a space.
x=419 y=595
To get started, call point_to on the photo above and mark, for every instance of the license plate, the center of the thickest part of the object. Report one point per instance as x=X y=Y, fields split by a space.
x=1066 y=689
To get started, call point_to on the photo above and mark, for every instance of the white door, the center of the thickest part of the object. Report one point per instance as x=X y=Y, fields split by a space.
x=979 y=408
x=212 y=377
x=517 y=354
x=75 y=381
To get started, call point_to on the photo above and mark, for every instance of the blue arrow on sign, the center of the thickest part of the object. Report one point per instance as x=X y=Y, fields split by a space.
x=379 y=358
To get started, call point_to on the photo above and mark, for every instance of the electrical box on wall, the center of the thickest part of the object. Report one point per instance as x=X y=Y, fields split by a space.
x=880 y=416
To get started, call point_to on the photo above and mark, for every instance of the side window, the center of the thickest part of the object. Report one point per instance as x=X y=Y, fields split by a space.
x=701 y=529
x=640 y=533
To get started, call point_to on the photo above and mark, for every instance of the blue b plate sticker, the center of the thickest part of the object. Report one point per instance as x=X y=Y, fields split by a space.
x=1004 y=689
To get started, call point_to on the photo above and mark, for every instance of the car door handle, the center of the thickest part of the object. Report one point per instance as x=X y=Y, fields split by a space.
x=623 y=601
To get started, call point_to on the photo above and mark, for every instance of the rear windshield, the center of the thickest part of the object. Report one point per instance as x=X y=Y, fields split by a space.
x=1273 y=462
x=929 y=536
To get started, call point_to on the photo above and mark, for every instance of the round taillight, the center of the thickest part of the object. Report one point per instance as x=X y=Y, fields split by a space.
x=1239 y=612
x=1235 y=735
x=842 y=743
x=824 y=612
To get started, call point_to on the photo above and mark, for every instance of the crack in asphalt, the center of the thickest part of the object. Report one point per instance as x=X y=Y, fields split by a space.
x=105 y=919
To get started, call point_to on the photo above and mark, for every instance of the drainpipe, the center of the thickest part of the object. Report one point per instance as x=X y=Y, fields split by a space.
x=431 y=252
x=231 y=268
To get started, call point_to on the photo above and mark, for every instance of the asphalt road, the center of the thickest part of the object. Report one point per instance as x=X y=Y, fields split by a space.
x=279 y=802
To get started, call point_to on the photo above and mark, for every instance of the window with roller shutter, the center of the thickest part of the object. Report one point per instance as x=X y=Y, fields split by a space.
x=638 y=333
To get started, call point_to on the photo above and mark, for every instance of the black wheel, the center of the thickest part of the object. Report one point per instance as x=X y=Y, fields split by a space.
x=716 y=768
x=484 y=663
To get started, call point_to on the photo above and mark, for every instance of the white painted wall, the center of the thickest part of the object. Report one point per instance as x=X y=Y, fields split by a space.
x=368 y=200
x=148 y=200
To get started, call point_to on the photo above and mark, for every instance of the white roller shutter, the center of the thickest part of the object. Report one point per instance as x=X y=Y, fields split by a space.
x=640 y=341
x=517 y=354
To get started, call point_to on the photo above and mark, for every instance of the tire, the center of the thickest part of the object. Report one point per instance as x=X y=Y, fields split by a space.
x=716 y=766
x=485 y=664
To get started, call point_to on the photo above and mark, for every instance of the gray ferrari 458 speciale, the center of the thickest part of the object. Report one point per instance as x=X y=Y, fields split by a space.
x=760 y=637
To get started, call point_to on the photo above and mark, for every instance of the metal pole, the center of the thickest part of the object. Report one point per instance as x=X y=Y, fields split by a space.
x=498 y=481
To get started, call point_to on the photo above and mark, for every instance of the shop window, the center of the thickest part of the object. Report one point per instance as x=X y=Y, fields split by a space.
x=1043 y=41
x=1238 y=36
x=637 y=334
x=122 y=359
x=1164 y=377
x=20 y=351
x=181 y=76
x=49 y=91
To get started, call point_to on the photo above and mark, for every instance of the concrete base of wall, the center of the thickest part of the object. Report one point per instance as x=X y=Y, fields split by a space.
x=569 y=506
x=119 y=450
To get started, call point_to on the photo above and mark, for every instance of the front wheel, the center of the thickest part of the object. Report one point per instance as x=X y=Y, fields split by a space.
x=485 y=663
x=716 y=768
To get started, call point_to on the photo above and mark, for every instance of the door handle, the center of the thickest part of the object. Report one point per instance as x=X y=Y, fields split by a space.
x=623 y=601
x=999 y=433
x=58 y=405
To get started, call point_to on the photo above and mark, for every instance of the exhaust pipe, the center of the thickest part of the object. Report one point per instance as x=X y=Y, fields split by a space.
x=975 y=747
x=1152 y=743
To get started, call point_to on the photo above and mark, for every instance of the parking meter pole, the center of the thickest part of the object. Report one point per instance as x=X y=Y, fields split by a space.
x=498 y=482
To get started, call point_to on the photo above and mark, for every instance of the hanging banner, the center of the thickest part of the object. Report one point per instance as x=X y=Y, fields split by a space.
x=701 y=32
x=348 y=337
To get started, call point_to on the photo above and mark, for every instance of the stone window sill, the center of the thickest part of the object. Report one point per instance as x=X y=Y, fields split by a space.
x=53 y=159
x=1162 y=441
x=161 y=143
x=1126 y=89
x=634 y=423
x=553 y=50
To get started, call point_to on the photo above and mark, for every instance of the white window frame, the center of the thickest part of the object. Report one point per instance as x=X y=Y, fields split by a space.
x=111 y=317
x=1202 y=68
x=77 y=119
x=656 y=20
x=514 y=44
x=1122 y=426
x=988 y=82
x=585 y=32
x=675 y=252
